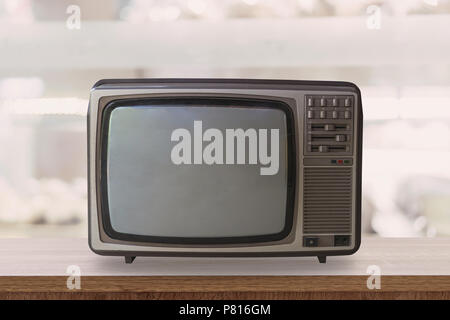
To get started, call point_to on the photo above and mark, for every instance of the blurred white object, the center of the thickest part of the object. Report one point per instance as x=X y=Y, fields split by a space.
x=45 y=106
x=45 y=201
x=436 y=209
x=31 y=87
x=393 y=224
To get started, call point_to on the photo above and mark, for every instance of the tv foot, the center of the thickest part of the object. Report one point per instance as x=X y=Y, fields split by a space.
x=322 y=259
x=129 y=259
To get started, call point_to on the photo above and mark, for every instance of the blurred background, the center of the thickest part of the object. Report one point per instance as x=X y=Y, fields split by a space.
x=397 y=52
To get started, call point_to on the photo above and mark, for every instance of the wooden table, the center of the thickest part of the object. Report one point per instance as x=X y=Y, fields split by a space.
x=410 y=268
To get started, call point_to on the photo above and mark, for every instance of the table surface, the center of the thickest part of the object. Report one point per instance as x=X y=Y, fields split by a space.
x=394 y=256
x=410 y=269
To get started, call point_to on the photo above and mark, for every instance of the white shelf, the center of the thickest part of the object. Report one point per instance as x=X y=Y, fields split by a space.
x=240 y=43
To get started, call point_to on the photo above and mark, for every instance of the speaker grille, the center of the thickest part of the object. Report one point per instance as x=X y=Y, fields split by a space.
x=327 y=204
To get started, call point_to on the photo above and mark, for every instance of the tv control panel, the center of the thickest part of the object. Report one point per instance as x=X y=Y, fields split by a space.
x=328 y=124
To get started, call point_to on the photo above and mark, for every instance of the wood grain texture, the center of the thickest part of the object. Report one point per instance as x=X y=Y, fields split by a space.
x=226 y=287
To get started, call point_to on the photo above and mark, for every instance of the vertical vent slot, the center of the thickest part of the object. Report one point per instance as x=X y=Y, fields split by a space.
x=327 y=200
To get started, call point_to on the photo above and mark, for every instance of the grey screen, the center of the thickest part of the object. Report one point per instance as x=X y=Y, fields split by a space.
x=149 y=195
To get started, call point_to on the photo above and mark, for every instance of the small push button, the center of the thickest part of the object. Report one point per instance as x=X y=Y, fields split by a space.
x=347 y=114
x=335 y=102
x=311 y=241
x=347 y=102
x=334 y=114
x=323 y=148
x=341 y=241
x=340 y=137
x=323 y=114
x=310 y=114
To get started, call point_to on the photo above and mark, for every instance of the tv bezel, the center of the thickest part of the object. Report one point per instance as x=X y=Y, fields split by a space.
x=216 y=101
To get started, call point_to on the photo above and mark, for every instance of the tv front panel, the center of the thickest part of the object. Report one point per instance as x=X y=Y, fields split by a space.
x=214 y=167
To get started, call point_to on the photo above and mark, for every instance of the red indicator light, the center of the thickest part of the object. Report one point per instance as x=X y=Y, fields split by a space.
x=340 y=161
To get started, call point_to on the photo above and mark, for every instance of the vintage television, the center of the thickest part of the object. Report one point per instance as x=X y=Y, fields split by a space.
x=224 y=167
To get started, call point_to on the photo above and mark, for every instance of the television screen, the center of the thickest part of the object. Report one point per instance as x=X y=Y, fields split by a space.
x=204 y=172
